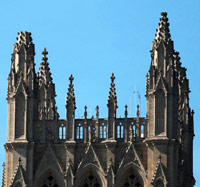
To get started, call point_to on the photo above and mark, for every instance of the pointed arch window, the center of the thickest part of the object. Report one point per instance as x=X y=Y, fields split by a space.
x=133 y=128
x=62 y=132
x=120 y=131
x=20 y=115
x=91 y=181
x=49 y=181
x=142 y=130
x=102 y=131
x=91 y=131
x=79 y=132
x=132 y=181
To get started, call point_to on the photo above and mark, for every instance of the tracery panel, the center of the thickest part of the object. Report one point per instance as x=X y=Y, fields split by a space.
x=49 y=180
x=131 y=180
x=91 y=181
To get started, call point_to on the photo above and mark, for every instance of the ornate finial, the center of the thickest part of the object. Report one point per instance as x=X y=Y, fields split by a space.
x=70 y=94
x=138 y=111
x=112 y=93
x=85 y=112
x=164 y=14
x=192 y=112
x=126 y=111
x=112 y=78
x=97 y=111
x=71 y=78
x=4 y=165
x=44 y=53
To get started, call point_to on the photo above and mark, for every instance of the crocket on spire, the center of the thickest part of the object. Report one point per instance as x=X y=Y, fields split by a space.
x=112 y=98
x=44 y=73
x=47 y=104
x=70 y=94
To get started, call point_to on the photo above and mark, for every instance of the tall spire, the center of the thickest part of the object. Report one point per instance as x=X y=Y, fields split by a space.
x=44 y=73
x=71 y=107
x=112 y=98
x=70 y=95
x=47 y=105
x=163 y=32
x=112 y=109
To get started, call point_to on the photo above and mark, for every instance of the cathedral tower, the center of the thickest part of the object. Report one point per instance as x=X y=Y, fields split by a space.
x=22 y=107
x=43 y=150
x=170 y=120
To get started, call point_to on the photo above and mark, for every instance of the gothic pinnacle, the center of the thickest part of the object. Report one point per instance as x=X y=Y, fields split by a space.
x=126 y=111
x=85 y=112
x=24 y=39
x=44 y=73
x=70 y=94
x=112 y=92
x=163 y=32
x=45 y=53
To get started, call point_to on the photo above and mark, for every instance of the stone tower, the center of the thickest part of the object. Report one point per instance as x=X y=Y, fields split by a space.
x=45 y=151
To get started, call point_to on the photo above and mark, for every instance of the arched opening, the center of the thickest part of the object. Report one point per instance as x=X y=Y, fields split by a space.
x=133 y=128
x=159 y=112
x=131 y=179
x=120 y=131
x=102 y=132
x=62 y=132
x=49 y=180
x=79 y=132
x=20 y=113
x=91 y=180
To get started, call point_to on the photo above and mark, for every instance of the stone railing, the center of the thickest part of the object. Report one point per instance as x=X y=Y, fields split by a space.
x=91 y=130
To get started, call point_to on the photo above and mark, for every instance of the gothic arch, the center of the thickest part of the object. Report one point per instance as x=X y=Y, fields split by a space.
x=48 y=172
x=86 y=172
x=133 y=171
x=20 y=115
x=49 y=180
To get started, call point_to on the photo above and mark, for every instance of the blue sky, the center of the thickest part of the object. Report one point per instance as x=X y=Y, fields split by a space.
x=93 y=38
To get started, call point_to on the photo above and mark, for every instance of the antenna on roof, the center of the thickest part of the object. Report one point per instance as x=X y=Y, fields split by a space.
x=139 y=97
x=134 y=92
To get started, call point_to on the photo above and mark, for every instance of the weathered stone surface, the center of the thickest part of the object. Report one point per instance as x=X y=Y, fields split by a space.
x=43 y=150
